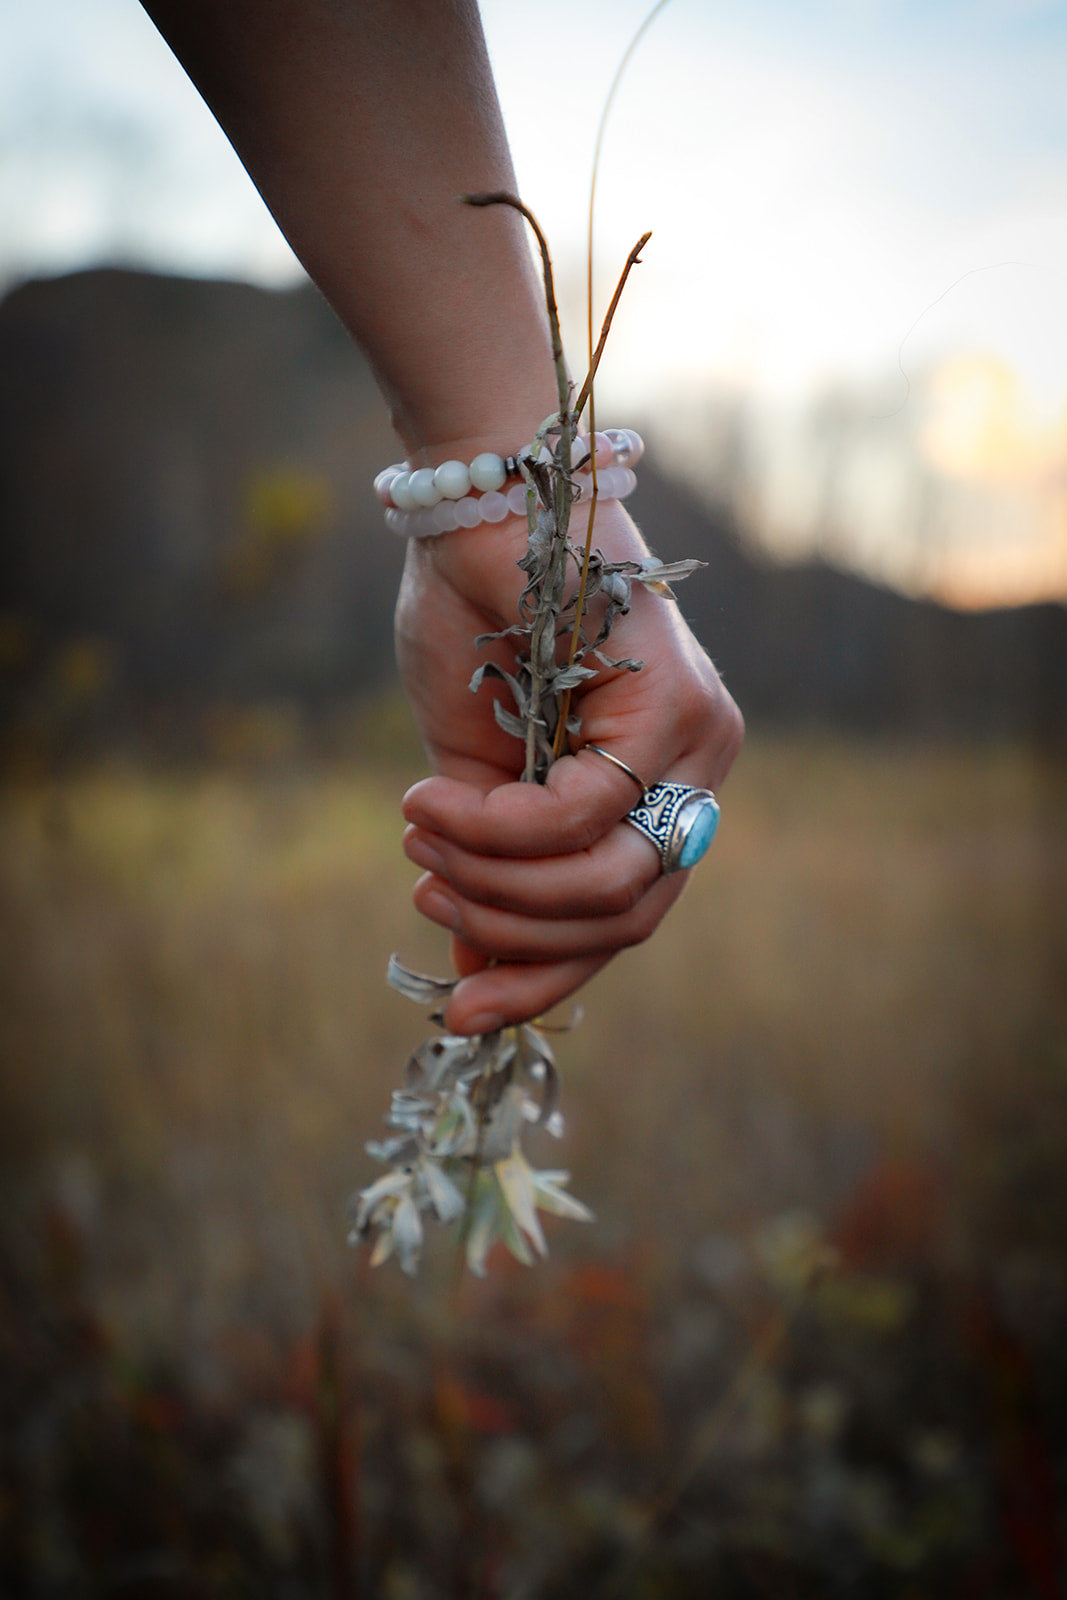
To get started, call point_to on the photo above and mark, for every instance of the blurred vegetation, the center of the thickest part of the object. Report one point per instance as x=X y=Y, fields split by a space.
x=813 y=1345
x=286 y=511
x=185 y=490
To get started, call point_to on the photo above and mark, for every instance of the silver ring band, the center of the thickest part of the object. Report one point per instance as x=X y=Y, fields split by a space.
x=617 y=762
x=679 y=820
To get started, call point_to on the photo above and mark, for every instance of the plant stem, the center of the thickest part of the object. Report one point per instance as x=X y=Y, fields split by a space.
x=556 y=499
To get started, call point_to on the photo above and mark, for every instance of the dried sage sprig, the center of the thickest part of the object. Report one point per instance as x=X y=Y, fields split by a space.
x=456 y=1152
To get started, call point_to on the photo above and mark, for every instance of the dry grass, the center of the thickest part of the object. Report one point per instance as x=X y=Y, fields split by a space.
x=195 y=1013
x=868 y=978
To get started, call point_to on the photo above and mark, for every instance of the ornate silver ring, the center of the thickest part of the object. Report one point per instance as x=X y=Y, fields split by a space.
x=679 y=820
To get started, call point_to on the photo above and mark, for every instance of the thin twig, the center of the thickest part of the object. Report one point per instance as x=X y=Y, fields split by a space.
x=549 y=599
x=632 y=260
x=500 y=197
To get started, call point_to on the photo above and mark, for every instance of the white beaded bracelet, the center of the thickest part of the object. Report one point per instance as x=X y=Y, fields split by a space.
x=613 y=483
x=421 y=503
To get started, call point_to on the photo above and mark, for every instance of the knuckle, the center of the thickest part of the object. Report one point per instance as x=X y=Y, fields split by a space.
x=484 y=890
x=641 y=924
x=577 y=834
x=698 y=704
x=732 y=730
x=478 y=929
x=710 y=718
x=622 y=897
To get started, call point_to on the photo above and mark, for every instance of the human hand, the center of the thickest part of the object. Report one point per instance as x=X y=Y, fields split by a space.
x=541 y=884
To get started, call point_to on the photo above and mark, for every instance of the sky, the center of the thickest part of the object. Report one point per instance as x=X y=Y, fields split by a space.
x=852 y=314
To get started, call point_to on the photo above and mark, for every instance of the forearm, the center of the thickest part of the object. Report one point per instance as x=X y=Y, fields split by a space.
x=361 y=122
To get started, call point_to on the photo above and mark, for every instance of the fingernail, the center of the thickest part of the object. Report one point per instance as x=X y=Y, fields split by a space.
x=439 y=908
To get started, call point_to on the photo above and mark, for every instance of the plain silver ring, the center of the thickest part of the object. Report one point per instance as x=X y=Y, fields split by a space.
x=617 y=762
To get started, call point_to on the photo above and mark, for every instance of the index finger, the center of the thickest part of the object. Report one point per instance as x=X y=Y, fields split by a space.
x=571 y=810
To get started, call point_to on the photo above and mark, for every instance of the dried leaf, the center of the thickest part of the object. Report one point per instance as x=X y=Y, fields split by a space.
x=483 y=1231
x=447 y=1202
x=438 y=1059
x=571 y=677
x=509 y=721
x=659 y=575
x=515 y=631
x=404 y=1148
x=384 y=1188
x=619 y=663
x=516 y=1183
x=407 y=1234
x=490 y=669
x=512 y=1236
x=540 y=1064
x=502 y=1126
x=383 y=1247
x=552 y=1197
x=617 y=588
x=409 y=1111
x=417 y=985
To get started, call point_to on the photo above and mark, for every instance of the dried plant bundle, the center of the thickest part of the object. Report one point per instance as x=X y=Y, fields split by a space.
x=456 y=1152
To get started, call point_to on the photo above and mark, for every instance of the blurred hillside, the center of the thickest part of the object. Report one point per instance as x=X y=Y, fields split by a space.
x=187 y=523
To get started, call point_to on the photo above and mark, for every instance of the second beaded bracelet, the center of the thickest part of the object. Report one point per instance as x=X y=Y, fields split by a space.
x=427 y=501
x=613 y=483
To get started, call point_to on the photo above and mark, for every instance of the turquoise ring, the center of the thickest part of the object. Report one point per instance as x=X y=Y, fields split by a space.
x=679 y=820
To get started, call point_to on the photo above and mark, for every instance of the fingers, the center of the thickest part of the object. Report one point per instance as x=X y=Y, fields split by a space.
x=608 y=879
x=581 y=800
x=490 y=997
x=585 y=795
x=512 y=936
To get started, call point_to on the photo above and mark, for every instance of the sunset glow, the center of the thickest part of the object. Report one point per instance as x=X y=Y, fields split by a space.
x=854 y=207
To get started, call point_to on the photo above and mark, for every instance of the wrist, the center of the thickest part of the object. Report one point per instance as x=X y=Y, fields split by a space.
x=492 y=394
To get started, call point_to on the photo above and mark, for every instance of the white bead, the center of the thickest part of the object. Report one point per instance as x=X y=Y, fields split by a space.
x=444 y=517
x=637 y=445
x=493 y=506
x=620 y=446
x=400 y=489
x=487 y=471
x=579 y=450
x=424 y=490
x=383 y=483
x=453 y=479
x=467 y=513
x=629 y=482
x=605 y=450
x=516 y=498
x=605 y=484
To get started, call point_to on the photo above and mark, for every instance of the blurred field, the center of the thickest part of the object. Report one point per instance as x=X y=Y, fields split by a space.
x=852 y=1033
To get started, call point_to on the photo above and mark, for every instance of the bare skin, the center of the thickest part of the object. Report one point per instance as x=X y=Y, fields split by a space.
x=361 y=124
